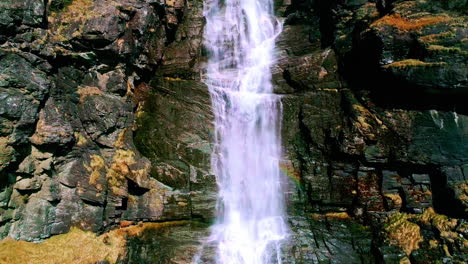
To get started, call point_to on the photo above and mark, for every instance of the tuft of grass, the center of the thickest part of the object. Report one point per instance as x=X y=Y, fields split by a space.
x=436 y=38
x=446 y=50
x=331 y=216
x=404 y=24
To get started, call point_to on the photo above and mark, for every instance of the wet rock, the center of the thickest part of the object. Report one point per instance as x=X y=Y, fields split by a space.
x=327 y=240
x=179 y=146
x=174 y=244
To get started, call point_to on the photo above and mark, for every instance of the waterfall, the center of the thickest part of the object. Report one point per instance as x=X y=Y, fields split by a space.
x=240 y=41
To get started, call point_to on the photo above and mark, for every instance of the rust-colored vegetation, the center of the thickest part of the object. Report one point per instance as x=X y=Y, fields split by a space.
x=405 y=24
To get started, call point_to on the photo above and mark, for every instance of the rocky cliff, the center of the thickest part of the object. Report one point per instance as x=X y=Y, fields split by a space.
x=104 y=122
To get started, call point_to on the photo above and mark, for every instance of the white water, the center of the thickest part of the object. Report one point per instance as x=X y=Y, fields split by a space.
x=240 y=39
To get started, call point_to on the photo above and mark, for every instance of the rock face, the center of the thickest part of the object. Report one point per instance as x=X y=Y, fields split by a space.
x=79 y=81
x=104 y=120
x=375 y=128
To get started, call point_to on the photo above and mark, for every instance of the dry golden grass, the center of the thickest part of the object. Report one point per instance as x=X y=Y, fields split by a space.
x=404 y=24
x=413 y=63
x=77 y=246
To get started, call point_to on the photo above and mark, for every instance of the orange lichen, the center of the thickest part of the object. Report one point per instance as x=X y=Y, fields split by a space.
x=405 y=24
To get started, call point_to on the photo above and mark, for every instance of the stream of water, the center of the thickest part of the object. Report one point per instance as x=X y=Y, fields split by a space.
x=240 y=41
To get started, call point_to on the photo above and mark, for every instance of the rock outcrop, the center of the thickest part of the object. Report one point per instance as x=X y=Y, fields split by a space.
x=105 y=122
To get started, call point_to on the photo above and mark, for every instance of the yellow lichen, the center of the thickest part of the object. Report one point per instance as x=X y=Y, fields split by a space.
x=96 y=167
x=75 y=13
x=119 y=169
x=120 y=142
x=365 y=121
x=80 y=139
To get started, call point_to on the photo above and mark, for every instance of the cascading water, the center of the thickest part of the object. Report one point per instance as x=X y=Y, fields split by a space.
x=240 y=40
